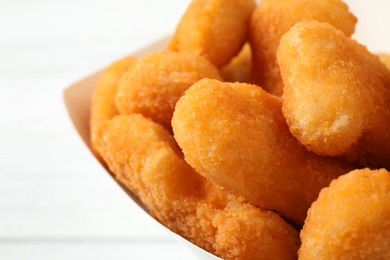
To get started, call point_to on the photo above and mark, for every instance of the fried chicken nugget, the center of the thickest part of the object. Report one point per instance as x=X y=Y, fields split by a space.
x=266 y=235
x=350 y=219
x=144 y=156
x=337 y=94
x=273 y=18
x=214 y=29
x=158 y=80
x=235 y=135
x=103 y=98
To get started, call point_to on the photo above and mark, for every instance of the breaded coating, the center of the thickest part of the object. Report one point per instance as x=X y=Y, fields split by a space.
x=350 y=219
x=337 y=94
x=235 y=135
x=214 y=29
x=144 y=156
x=238 y=69
x=273 y=18
x=103 y=98
x=266 y=235
x=158 y=80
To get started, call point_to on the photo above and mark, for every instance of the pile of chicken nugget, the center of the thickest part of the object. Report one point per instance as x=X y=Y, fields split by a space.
x=262 y=131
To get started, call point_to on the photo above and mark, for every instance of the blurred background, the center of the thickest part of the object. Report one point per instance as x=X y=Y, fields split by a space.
x=56 y=202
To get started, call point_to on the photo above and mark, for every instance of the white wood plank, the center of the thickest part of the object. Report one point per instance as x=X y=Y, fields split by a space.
x=67 y=250
x=62 y=191
x=55 y=201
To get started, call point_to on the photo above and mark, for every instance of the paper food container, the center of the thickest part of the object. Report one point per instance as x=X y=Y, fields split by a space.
x=371 y=30
x=78 y=99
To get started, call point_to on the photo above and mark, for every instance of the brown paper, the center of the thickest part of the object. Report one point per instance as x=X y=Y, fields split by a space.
x=77 y=100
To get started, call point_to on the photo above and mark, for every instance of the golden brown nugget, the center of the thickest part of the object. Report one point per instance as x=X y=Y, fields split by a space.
x=153 y=86
x=235 y=135
x=350 y=219
x=273 y=18
x=266 y=235
x=144 y=156
x=103 y=98
x=238 y=69
x=337 y=94
x=214 y=29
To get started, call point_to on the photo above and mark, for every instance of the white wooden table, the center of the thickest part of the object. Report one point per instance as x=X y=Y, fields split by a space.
x=56 y=202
